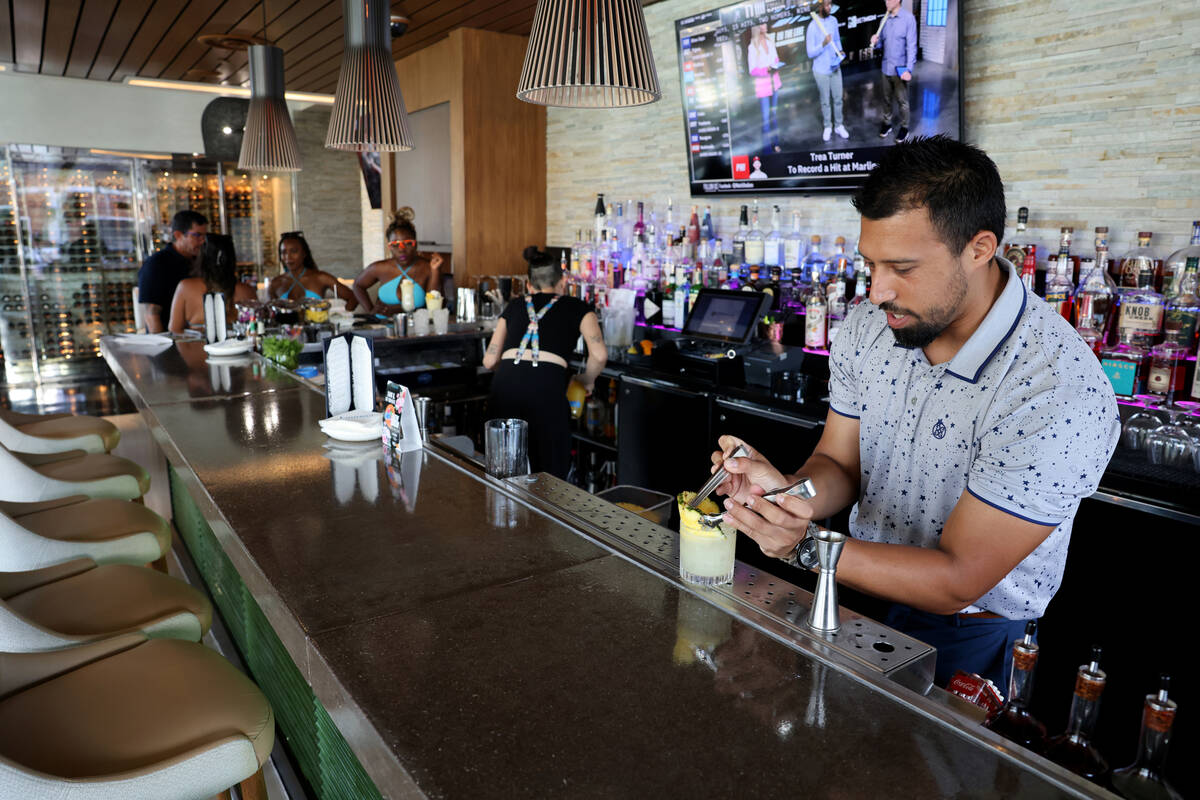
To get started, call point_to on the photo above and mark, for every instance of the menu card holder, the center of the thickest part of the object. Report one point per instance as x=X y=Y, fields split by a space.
x=349 y=374
x=401 y=433
x=214 y=318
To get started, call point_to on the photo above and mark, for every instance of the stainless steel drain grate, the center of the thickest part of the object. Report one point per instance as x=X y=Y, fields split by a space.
x=769 y=603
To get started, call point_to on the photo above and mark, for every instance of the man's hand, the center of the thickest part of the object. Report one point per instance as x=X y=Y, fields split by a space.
x=874 y=39
x=749 y=476
x=828 y=39
x=777 y=528
x=906 y=76
x=378 y=308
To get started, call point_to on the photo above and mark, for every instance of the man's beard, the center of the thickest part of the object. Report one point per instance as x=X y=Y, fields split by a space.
x=925 y=328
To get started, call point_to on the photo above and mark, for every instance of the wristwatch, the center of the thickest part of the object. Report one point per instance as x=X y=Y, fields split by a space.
x=804 y=554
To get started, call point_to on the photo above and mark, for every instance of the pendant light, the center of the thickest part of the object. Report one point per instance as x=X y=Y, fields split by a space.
x=589 y=54
x=269 y=143
x=368 y=110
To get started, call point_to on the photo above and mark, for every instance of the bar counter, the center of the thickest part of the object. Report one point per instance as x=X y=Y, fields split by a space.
x=424 y=630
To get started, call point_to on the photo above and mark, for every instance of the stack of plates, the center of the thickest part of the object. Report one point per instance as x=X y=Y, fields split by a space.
x=354 y=426
x=229 y=347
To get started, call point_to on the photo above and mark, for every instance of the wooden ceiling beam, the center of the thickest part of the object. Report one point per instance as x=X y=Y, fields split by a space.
x=56 y=48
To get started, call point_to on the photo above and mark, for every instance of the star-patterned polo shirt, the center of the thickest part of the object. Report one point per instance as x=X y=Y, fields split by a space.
x=1022 y=417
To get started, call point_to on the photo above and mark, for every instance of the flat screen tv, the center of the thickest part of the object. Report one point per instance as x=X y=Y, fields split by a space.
x=752 y=75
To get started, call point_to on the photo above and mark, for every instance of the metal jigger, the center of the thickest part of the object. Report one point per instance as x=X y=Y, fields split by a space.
x=823 y=616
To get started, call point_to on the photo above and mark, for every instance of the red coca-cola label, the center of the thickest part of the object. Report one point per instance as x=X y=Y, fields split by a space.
x=975 y=689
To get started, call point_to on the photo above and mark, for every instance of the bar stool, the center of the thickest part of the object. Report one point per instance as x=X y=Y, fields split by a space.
x=130 y=719
x=36 y=477
x=79 y=602
x=54 y=433
x=35 y=535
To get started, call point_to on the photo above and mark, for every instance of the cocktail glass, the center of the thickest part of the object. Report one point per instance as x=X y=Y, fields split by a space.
x=1141 y=423
x=706 y=553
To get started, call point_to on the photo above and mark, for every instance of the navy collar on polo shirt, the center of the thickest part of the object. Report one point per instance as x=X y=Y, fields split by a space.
x=993 y=332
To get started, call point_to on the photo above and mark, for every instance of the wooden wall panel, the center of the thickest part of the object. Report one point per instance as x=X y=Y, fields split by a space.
x=504 y=150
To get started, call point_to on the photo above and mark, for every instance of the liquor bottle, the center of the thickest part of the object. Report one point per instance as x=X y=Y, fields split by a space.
x=1060 y=292
x=693 y=231
x=755 y=242
x=860 y=287
x=639 y=227
x=739 y=238
x=668 y=297
x=1013 y=721
x=683 y=289
x=600 y=261
x=1064 y=254
x=586 y=257
x=1126 y=364
x=668 y=228
x=793 y=244
x=625 y=229
x=718 y=264
x=707 y=231
x=601 y=215
x=610 y=417
x=1143 y=779
x=616 y=264
x=1168 y=366
x=838 y=262
x=1174 y=264
x=1074 y=749
x=835 y=306
x=1095 y=298
x=772 y=248
x=1029 y=268
x=1015 y=251
x=1140 y=268
x=1181 y=322
x=814 y=315
x=1142 y=307
x=813 y=260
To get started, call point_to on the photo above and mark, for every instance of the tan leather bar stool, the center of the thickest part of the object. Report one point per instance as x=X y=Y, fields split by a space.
x=131 y=719
x=78 y=602
x=36 y=477
x=55 y=433
x=36 y=535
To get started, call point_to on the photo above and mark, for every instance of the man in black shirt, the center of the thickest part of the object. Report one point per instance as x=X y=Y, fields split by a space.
x=164 y=269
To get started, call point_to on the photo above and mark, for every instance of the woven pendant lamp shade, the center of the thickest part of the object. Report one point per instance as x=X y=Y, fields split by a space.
x=368 y=111
x=269 y=143
x=589 y=54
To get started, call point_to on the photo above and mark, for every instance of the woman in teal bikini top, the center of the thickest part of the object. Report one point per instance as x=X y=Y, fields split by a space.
x=402 y=262
x=301 y=280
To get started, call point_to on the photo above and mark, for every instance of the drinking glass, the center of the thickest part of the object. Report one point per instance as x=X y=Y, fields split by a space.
x=1169 y=444
x=706 y=553
x=506 y=447
x=441 y=321
x=1139 y=426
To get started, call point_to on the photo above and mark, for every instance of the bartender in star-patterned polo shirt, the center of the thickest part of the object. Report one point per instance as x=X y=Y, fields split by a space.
x=967 y=420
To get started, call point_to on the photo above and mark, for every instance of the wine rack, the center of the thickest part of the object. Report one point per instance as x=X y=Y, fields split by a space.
x=75 y=226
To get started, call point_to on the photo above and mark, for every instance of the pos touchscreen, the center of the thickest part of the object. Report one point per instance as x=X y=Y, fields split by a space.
x=724 y=315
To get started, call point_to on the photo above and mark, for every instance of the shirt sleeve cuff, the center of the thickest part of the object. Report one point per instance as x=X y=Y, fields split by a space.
x=842 y=413
x=1002 y=507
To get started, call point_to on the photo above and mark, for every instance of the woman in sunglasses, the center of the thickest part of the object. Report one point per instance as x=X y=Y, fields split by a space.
x=403 y=262
x=301 y=280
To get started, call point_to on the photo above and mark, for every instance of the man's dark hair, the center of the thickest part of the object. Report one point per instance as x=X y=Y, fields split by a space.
x=218 y=264
x=183 y=221
x=955 y=182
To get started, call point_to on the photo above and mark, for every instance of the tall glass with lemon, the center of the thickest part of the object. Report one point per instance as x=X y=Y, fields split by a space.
x=705 y=551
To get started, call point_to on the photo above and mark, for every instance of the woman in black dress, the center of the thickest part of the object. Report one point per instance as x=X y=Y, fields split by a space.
x=531 y=361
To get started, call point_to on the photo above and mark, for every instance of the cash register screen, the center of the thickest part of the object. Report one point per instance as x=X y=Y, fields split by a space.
x=723 y=315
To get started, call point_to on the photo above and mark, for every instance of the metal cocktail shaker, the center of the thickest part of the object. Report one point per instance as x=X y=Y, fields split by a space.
x=400 y=325
x=465 y=307
x=823 y=616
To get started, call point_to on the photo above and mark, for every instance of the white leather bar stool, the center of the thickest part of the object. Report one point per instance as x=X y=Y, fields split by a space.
x=130 y=719
x=35 y=477
x=55 y=433
x=79 y=602
x=36 y=535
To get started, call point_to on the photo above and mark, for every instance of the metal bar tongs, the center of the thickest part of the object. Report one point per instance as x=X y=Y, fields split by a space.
x=802 y=488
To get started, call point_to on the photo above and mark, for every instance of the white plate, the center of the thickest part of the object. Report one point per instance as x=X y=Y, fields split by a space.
x=229 y=347
x=351 y=433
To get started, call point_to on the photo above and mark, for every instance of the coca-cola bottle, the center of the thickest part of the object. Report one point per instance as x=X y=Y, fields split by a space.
x=1013 y=721
x=1074 y=749
x=1143 y=779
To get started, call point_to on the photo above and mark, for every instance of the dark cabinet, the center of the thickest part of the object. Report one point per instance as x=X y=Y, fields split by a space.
x=663 y=440
x=786 y=441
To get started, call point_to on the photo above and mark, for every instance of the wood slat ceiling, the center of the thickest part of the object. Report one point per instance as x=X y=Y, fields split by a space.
x=110 y=40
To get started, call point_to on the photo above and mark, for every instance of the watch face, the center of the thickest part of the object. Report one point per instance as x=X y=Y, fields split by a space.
x=807 y=554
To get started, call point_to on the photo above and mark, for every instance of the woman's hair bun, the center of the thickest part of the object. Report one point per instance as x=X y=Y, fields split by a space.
x=531 y=253
x=403 y=214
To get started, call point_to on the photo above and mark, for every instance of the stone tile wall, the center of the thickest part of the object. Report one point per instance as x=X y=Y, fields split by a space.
x=1091 y=111
x=328 y=196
